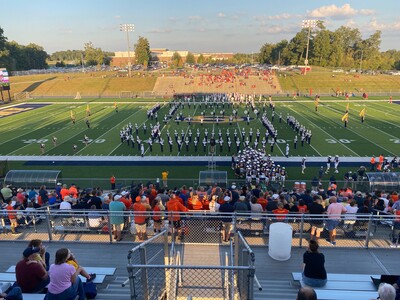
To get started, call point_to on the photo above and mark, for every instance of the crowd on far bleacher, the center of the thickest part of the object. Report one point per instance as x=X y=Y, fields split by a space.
x=151 y=203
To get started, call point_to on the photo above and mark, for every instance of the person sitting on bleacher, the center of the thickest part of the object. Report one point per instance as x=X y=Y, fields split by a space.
x=64 y=280
x=11 y=293
x=42 y=256
x=314 y=273
x=74 y=262
x=31 y=275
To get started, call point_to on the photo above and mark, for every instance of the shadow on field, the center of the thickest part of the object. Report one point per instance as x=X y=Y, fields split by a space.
x=35 y=85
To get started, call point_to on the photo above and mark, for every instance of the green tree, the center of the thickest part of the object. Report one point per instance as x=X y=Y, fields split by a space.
x=266 y=53
x=190 y=58
x=4 y=53
x=176 y=60
x=142 y=51
x=93 y=56
x=200 y=59
x=321 y=48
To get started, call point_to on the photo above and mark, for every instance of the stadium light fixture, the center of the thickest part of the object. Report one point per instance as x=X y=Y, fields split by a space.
x=308 y=24
x=128 y=28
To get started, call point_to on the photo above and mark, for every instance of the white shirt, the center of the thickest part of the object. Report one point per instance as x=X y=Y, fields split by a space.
x=65 y=205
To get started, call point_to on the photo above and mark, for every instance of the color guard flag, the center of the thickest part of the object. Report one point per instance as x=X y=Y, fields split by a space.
x=72 y=115
x=362 y=112
x=345 y=117
x=347 y=107
x=88 y=109
x=115 y=104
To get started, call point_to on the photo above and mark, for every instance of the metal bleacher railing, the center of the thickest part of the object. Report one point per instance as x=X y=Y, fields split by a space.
x=156 y=270
x=377 y=230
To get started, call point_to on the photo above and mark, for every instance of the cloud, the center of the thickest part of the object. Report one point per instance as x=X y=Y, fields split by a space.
x=366 y=12
x=117 y=17
x=65 y=30
x=336 y=12
x=283 y=16
x=221 y=15
x=194 y=18
x=274 y=29
x=159 y=30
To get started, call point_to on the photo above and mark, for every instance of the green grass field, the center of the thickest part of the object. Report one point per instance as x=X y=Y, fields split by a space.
x=23 y=132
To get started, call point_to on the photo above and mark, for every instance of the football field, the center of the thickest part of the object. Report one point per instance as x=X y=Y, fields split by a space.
x=25 y=127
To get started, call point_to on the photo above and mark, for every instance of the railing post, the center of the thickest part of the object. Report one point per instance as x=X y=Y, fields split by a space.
x=250 y=283
x=144 y=273
x=236 y=249
x=110 y=227
x=49 y=226
x=301 y=230
x=368 y=231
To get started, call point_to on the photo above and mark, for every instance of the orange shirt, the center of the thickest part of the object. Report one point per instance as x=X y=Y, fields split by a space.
x=302 y=208
x=263 y=202
x=281 y=213
x=372 y=160
x=381 y=158
x=12 y=214
x=64 y=192
x=74 y=191
x=126 y=202
x=112 y=179
x=139 y=214
x=173 y=205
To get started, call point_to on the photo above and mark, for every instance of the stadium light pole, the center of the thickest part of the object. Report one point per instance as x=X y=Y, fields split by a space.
x=308 y=24
x=128 y=28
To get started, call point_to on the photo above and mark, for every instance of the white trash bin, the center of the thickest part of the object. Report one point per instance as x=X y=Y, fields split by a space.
x=280 y=241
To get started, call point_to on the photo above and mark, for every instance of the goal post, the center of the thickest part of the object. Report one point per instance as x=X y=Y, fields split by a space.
x=22 y=96
x=78 y=96
x=125 y=94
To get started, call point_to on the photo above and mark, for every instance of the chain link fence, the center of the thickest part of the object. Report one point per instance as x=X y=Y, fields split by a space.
x=377 y=230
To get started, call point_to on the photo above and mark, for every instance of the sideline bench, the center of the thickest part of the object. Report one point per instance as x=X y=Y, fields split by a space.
x=97 y=270
x=344 y=286
x=10 y=277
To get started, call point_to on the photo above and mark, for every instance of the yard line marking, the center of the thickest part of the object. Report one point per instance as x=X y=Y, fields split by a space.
x=365 y=138
x=327 y=134
x=27 y=145
x=119 y=144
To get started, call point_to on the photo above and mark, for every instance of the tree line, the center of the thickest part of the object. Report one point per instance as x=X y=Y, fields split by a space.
x=343 y=47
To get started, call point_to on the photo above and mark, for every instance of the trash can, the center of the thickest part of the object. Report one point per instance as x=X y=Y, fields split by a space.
x=280 y=241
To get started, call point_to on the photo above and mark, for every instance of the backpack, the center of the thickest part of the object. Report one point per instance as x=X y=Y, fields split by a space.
x=90 y=289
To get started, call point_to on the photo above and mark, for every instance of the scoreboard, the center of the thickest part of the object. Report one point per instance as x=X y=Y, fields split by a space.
x=4 y=80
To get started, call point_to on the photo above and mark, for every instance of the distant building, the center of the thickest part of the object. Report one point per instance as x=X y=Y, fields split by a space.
x=164 y=55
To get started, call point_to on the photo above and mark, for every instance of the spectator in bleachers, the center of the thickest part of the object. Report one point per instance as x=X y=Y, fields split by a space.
x=21 y=197
x=281 y=212
x=64 y=280
x=314 y=273
x=241 y=206
x=73 y=190
x=306 y=293
x=106 y=203
x=317 y=225
x=174 y=207
x=12 y=293
x=44 y=195
x=95 y=200
x=334 y=211
x=67 y=203
x=31 y=275
x=386 y=292
x=263 y=201
x=42 y=256
x=12 y=215
x=116 y=217
x=32 y=195
x=74 y=262
x=140 y=217
x=64 y=191
x=158 y=211
x=6 y=192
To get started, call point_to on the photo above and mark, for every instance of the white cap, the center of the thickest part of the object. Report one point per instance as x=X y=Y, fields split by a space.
x=227 y=198
x=117 y=197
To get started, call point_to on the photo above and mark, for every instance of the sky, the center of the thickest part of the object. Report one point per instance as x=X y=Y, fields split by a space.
x=236 y=26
